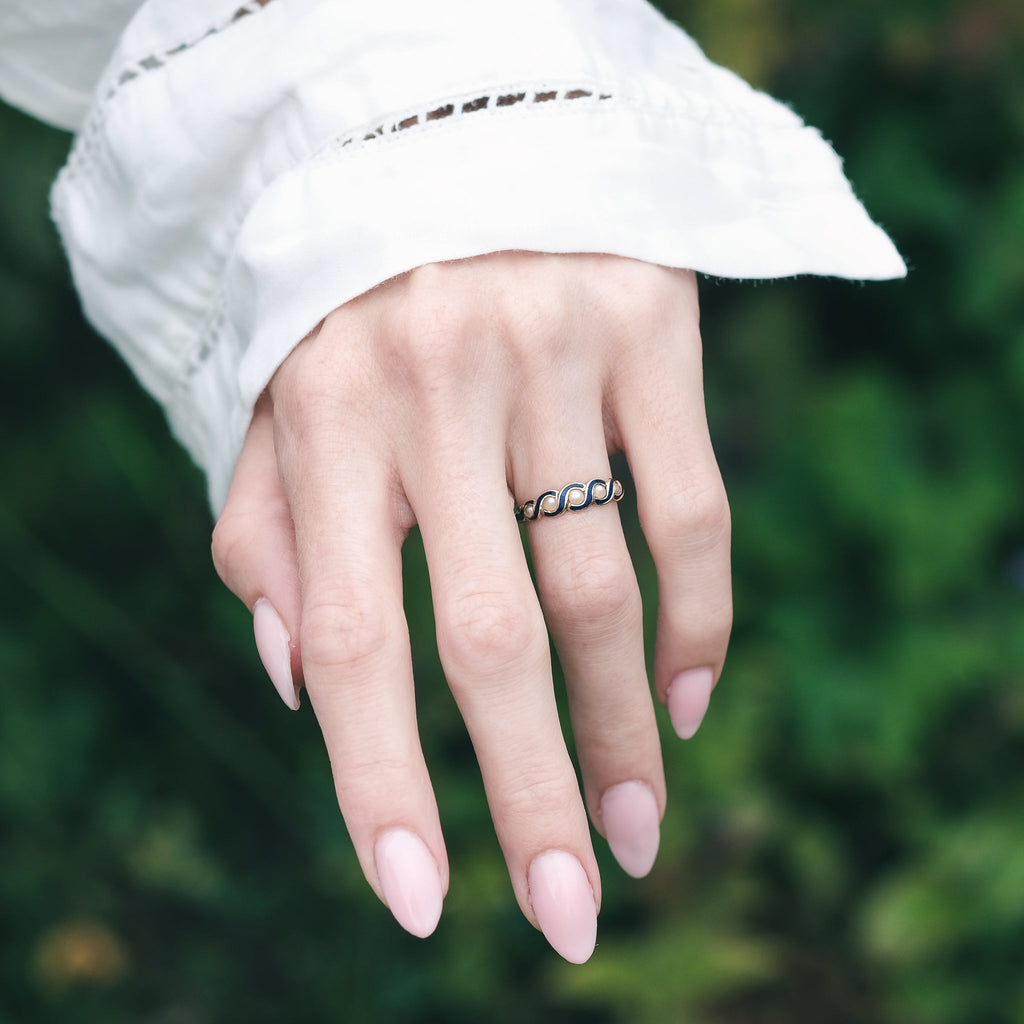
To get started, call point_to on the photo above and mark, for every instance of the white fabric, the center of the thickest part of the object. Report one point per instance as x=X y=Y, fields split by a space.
x=52 y=53
x=245 y=169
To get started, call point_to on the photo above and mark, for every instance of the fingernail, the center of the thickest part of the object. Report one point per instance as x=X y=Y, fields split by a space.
x=410 y=880
x=631 y=826
x=274 y=645
x=563 y=900
x=688 y=699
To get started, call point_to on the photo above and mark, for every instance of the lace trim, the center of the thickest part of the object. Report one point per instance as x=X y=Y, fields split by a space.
x=457 y=109
x=158 y=60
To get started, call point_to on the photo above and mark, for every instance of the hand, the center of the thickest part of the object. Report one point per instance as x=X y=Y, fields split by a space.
x=433 y=400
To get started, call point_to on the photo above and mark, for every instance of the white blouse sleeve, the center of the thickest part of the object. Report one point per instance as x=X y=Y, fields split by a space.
x=244 y=169
x=52 y=52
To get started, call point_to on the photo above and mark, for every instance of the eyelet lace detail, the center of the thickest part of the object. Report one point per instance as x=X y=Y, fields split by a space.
x=157 y=60
x=457 y=109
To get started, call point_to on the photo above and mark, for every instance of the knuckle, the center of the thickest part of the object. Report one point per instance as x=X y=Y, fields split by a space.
x=718 y=618
x=301 y=374
x=704 y=626
x=628 y=298
x=722 y=622
x=370 y=774
x=692 y=519
x=482 y=633
x=639 y=303
x=539 y=323
x=535 y=796
x=709 y=512
x=640 y=319
x=314 y=390
x=341 y=633
x=230 y=542
x=431 y=331
x=592 y=590
x=243 y=535
x=326 y=378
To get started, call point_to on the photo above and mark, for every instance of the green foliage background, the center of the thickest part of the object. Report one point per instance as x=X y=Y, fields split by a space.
x=845 y=837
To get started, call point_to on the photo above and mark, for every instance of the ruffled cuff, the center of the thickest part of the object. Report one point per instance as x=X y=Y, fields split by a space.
x=205 y=244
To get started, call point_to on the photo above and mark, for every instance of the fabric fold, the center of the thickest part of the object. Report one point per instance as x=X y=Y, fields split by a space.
x=218 y=204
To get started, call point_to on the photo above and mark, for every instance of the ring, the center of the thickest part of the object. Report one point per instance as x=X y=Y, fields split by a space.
x=571 y=498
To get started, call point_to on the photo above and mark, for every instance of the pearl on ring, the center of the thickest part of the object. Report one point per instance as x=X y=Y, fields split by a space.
x=573 y=497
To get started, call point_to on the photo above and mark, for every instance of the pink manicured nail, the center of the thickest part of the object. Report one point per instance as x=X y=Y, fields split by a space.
x=274 y=645
x=410 y=880
x=688 y=699
x=630 y=816
x=563 y=900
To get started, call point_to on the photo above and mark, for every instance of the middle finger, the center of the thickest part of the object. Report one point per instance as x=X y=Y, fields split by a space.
x=493 y=645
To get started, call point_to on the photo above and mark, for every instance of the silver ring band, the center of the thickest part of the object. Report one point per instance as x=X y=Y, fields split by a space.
x=571 y=498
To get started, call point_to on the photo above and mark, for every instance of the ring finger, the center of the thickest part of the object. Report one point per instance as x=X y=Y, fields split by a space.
x=592 y=604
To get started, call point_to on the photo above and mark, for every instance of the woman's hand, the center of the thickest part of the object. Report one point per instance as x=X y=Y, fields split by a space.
x=434 y=400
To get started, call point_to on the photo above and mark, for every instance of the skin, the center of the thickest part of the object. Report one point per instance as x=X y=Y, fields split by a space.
x=434 y=400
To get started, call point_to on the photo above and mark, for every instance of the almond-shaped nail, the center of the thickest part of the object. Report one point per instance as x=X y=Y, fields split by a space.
x=275 y=649
x=632 y=827
x=410 y=880
x=563 y=900
x=688 y=699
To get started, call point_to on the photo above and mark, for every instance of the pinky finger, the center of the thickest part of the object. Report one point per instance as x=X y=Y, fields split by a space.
x=254 y=554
